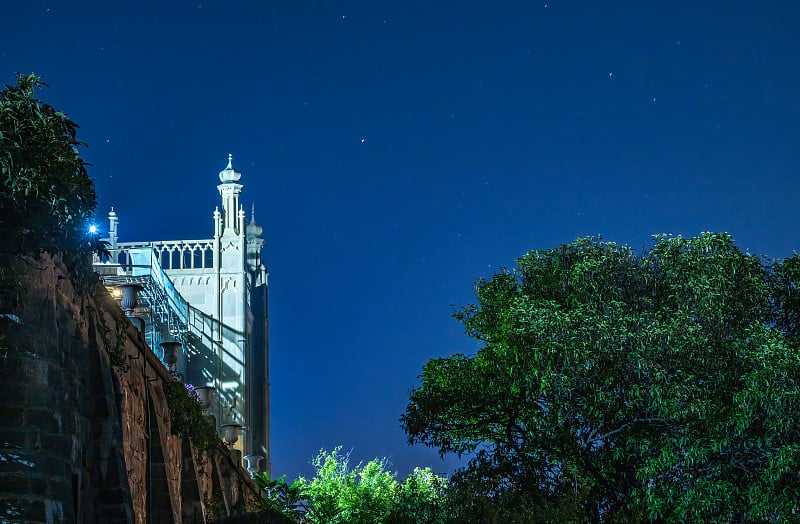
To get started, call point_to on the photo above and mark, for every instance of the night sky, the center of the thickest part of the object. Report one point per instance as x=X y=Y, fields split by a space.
x=398 y=151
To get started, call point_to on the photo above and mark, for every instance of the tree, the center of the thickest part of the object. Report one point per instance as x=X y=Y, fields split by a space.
x=422 y=499
x=46 y=195
x=611 y=386
x=367 y=493
x=284 y=502
x=363 y=494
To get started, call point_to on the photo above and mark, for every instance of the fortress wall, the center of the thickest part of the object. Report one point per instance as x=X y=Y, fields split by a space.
x=85 y=431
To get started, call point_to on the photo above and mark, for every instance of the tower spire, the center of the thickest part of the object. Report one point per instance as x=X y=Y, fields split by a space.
x=112 y=228
x=229 y=190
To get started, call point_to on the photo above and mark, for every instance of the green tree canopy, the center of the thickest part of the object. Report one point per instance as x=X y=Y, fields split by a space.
x=370 y=493
x=46 y=195
x=613 y=386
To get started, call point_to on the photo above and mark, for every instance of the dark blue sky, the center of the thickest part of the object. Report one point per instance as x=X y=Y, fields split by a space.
x=397 y=151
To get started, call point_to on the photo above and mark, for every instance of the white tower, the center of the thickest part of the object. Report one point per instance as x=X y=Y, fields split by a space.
x=224 y=281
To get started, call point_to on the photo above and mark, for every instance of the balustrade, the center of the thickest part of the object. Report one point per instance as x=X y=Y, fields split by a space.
x=173 y=254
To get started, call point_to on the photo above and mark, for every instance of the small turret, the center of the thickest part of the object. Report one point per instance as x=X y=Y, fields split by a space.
x=253 y=229
x=112 y=228
x=217 y=222
x=229 y=190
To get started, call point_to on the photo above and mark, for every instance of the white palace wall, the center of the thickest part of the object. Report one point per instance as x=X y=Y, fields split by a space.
x=225 y=279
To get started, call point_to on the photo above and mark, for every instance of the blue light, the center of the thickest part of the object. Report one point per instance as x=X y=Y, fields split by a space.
x=93 y=229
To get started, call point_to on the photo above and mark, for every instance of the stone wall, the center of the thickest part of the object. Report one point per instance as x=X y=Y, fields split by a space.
x=85 y=430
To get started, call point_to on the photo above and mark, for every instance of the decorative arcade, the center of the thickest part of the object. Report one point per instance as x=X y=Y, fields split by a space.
x=211 y=296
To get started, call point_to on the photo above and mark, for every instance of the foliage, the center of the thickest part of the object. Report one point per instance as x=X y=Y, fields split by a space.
x=421 y=499
x=116 y=350
x=46 y=195
x=259 y=517
x=192 y=392
x=279 y=497
x=367 y=493
x=188 y=418
x=338 y=494
x=617 y=387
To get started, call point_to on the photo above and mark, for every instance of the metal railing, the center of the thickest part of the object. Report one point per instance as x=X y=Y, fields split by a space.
x=168 y=316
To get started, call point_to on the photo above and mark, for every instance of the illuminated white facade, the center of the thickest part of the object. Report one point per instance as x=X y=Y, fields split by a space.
x=224 y=282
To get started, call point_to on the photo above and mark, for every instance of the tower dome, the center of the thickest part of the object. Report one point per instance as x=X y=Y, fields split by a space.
x=229 y=174
x=253 y=229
